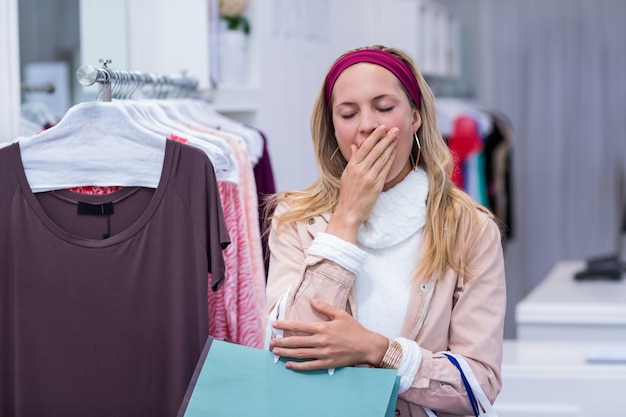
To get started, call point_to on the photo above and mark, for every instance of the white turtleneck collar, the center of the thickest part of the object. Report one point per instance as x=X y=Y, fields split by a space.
x=397 y=214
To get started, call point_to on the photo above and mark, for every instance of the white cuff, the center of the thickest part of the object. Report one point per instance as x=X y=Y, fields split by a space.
x=411 y=358
x=337 y=250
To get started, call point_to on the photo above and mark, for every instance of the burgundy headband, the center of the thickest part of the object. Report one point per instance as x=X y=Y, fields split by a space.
x=378 y=57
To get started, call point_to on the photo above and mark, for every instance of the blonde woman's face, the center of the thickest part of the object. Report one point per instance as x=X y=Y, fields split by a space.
x=366 y=96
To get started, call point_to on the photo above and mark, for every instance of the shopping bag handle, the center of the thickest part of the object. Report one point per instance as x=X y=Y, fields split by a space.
x=480 y=403
x=278 y=313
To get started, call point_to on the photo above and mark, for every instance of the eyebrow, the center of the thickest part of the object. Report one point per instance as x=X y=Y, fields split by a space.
x=377 y=98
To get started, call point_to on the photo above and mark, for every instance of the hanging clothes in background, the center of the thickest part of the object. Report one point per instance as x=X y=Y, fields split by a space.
x=266 y=186
x=36 y=114
x=35 y=117
x=464 y=143
x=237 y=310
x=498 y=168
x=104 y=296
x=481 y=144
x=143 y=219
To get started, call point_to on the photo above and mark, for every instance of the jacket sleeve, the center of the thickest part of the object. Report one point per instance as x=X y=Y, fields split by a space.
x=475 y=332
x=304 y=276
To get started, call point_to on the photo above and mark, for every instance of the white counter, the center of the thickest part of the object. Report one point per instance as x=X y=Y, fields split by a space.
x=561 y=308
x=555 y=379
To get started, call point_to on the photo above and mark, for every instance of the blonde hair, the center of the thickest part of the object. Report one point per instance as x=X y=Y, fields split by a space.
x=446 y=238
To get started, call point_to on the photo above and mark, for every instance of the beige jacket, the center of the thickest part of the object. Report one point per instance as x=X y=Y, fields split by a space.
x=466 y=318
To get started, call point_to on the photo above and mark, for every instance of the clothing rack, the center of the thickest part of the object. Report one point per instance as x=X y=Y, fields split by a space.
x=122 y=84
x=47 y=88
x=448 y=87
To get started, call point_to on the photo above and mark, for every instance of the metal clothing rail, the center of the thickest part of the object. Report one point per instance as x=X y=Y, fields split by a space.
x=123 y=84
x=448 y=87
x=47 y=88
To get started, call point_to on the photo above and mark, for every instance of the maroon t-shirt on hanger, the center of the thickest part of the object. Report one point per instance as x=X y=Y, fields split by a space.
x=106 y=314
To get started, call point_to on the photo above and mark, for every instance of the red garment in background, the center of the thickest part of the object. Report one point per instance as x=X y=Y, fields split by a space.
x=464 y=140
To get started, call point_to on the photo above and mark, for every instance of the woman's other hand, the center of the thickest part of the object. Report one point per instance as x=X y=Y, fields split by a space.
x=341 y=341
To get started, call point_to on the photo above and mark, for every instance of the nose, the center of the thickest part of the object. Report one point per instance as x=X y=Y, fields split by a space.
x=367 y=123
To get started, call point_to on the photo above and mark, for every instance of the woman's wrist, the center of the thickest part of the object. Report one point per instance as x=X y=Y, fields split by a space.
x=344 y=226
x=378 y=346
x=393 y=356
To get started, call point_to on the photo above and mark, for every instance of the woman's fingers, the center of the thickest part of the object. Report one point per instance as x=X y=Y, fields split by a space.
x=378 y=145
x=362 y=181
x=326 y=309
x=341 y=341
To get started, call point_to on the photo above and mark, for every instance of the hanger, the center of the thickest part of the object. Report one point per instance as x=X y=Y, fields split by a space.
x=95 y=143
x=150 y=114
x=204 y=113
x=164 y=116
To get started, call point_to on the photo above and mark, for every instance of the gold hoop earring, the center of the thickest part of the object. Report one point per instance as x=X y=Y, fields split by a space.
x=334 y=153
x=419 y=151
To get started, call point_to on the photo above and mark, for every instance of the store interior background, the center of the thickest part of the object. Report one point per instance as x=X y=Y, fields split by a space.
x=556 y=69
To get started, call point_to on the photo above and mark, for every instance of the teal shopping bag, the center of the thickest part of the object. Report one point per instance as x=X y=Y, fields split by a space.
x=235 y=380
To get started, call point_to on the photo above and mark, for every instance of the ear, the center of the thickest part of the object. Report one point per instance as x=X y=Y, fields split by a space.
x=417 y=120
